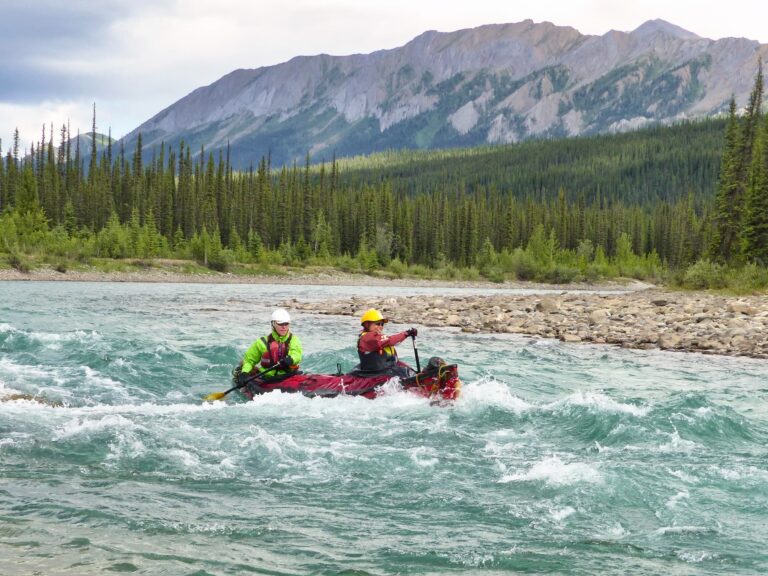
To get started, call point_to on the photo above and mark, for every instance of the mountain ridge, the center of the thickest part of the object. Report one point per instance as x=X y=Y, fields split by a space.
x=496 y=83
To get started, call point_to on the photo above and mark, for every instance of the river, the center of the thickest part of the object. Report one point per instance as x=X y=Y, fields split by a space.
x=558 y=458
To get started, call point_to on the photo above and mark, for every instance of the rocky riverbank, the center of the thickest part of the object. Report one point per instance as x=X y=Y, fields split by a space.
x=634 y=315
x=735 y=326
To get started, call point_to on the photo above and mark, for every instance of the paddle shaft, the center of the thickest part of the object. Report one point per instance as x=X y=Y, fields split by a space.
x=251 y=379
x=416 y=353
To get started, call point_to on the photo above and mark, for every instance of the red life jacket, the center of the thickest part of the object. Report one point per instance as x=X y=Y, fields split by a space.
x=376 y=360
x=275 y=351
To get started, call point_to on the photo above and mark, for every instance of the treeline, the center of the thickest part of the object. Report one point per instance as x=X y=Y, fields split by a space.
x=643 y=167
x=740 y=222
x=558 y=210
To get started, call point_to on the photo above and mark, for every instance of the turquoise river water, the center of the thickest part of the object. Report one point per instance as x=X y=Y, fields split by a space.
x=558 y=458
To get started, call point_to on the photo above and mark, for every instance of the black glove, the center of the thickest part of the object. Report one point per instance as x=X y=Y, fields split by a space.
x=412 y=332
x=285 y=363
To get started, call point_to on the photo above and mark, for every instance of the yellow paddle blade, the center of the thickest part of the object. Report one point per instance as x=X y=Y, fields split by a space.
x=214 y=396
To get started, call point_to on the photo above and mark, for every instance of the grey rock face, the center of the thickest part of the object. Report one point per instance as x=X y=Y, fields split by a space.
x=496 y=83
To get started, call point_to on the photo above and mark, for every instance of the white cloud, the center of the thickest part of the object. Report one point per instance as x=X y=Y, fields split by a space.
x=29 y=119
x=136 y=57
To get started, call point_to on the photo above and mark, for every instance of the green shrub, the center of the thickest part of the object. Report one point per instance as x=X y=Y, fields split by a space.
x=397 y=268
x=748 y=278
x=494 y=274
x=18 y=262
x=470 y=274
x=524 y=265
x=561 y=274
x=704 y=274
x=449 y=272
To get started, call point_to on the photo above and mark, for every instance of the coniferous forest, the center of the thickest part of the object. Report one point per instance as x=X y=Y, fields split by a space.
x=685 y=203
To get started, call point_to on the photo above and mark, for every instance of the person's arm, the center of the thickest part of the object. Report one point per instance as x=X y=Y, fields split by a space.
x=295 y=350
x=393 y=340
x=253 y=355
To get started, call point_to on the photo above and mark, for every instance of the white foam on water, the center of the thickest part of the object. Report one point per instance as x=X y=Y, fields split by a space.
x=615 y=532
x=5 y=327
x=186 y=458
x=487 y=391
x=391 y=386
x=599 y=401
x=23 y=371
x=145 y=409
x=684 y=476
x=95 y=378
x=561 y=514
x=424 y=457
x=126 y=446
x=84 y=336
x=673 y=501
x=337 y=451
x=90 y=426
x=470 y=559
x=67 y=422
x=677 y=530
x=45 y=382
x=176 y=395
x=495 y=449
x=228 y=463
x=5 y=442
x=685 y=417
x=55 y=341
x=190 y=528
x=503 y=433
x=728 y=474
x=677 y=444
x=742 y=473
x=6 y=390
x=124 y=365
x=274 y=443
x=554 y=472
x=696 y=557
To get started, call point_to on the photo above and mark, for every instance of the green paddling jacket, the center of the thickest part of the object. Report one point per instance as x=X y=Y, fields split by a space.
x=269 y=350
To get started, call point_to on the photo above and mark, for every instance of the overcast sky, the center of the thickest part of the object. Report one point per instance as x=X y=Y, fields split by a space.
x=133 y=58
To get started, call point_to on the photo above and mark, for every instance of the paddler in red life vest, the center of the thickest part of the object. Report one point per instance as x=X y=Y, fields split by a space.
x=377 y=352
x=279 y=351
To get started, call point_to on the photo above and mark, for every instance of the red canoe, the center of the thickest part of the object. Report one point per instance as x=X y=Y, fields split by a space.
x=439 y=382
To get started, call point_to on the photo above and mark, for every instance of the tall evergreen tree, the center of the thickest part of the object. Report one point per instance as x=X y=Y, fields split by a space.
x=726 y=218
x=755 y=228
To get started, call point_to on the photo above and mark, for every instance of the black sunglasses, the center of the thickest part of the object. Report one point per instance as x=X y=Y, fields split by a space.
x=282 y=323
x=379 y=323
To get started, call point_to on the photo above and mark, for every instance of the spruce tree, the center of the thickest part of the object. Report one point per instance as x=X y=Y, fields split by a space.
x=755 y=229
x=726 y=213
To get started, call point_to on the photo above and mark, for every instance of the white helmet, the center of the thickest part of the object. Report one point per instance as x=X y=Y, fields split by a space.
x=280 y=315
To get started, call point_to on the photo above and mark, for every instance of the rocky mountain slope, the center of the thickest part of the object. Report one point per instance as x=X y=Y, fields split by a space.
x=493 y=84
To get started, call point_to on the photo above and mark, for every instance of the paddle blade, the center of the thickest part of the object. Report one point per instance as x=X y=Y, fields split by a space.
x=215 y=396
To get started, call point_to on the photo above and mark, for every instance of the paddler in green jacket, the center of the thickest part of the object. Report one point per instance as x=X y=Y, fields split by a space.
x=280 y=350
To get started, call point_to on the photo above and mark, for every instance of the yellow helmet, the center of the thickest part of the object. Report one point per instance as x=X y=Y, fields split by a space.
x=372 y=315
